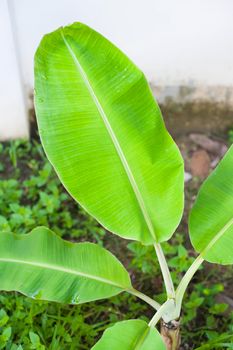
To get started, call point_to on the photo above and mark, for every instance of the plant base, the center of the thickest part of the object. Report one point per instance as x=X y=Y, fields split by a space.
x=170 y=333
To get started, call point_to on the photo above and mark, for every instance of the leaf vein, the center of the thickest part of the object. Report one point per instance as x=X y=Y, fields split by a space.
x=62 y=269
x=114 y=139
x=217 y=236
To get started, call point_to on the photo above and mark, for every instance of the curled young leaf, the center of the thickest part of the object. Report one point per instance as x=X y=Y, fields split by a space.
x=211 y=218
x=43 y=266
x=104 y=134
x=130 y=335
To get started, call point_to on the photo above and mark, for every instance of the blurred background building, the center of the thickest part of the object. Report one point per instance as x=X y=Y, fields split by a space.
x=185 y=48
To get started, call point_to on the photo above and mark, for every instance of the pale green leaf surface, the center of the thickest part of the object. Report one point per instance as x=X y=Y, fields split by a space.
x=130 y=335
x=104 y=134
x=211 y=218
x=43 y=266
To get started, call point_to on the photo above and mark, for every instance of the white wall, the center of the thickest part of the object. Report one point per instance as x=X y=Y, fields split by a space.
x=173 y=41
x=13 y=117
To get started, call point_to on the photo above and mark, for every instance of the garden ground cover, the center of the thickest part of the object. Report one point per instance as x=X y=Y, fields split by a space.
x=31 y=195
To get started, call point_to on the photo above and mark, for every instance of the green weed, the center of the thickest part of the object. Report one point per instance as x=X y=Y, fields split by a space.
x=31 y=195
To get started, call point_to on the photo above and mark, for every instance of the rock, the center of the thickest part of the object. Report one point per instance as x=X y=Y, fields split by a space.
x=215 y=147
x=200 y=164
x=187 y=176
x=215 y=162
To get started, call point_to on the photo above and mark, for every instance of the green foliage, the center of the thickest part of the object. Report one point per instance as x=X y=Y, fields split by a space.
x=214 y=318
x=211 y=218
x=109 y=145
x=104 y=135
x=133 y=182
x=78 y=327
x=130 y=335
x=43 y=266
x=230 y=136
x=142 y=259
x=33 y=196
x=51 y=326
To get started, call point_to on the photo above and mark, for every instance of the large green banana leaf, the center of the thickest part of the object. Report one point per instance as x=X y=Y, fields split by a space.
x=42 y=265
x=130 y=335
x=104 y=134
x=211 y=218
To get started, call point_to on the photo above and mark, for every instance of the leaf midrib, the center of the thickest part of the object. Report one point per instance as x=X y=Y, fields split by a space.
x=140 y=341
x=62 y=269
x=217 y=237
x=114 y=139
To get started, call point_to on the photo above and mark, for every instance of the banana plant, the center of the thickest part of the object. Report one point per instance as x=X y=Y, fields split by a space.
x=103 y=132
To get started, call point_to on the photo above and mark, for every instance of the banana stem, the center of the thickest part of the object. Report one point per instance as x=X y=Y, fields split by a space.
x=165 y=272
x=145 y=298
x=185 y=281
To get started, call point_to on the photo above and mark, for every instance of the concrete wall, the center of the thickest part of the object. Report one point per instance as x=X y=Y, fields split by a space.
x=13 y=116
x=175 y=42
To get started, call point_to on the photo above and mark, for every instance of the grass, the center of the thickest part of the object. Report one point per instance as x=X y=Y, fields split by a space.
x=31 y=195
